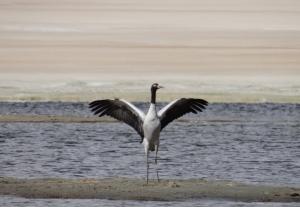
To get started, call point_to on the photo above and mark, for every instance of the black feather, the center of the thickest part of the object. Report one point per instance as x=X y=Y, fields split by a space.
x=120 y=111
x=181 y=107
x=100 y=109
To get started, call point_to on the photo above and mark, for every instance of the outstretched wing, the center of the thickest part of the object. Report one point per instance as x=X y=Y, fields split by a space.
x=120 y=110
x=180 y=107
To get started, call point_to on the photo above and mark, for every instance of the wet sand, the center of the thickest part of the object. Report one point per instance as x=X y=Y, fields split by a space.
x=137 y=189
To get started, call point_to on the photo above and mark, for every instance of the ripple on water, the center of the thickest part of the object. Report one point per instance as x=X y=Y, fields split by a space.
x=256 y=143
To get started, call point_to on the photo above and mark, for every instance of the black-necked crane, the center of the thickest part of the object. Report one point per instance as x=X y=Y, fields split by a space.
x=149 y=125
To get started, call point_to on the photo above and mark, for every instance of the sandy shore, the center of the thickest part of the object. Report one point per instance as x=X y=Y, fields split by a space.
x=85 y=88
x=230 y=51
x=136 y=189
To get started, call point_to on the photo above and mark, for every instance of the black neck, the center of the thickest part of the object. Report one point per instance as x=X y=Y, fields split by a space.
x=153 y=96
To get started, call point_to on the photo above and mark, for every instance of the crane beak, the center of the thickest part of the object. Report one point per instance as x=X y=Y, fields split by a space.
x=160 y=87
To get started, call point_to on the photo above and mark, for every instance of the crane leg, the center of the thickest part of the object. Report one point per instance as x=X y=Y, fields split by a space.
x=147 y=161
x=146 y=146
x=156 y=151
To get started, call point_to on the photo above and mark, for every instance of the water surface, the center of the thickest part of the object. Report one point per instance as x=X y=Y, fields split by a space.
x=252 y=143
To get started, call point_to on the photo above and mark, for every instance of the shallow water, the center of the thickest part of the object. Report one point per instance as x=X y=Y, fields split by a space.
x=253 y=143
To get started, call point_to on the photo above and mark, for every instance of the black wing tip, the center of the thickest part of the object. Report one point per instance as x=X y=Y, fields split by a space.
x=97 y=102
x=99 y=107
x=93 y=103
x=198 y=105
x=201 y=101
x=205 y=102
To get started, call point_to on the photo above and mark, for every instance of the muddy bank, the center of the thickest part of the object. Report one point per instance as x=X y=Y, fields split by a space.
x=55 y=118
x=136 y=189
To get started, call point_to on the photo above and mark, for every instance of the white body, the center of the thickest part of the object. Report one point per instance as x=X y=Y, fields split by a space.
x=148 y=126
x=151 y=128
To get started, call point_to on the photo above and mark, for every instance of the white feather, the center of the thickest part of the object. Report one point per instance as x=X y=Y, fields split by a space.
x=137 y=110
x=151 y=126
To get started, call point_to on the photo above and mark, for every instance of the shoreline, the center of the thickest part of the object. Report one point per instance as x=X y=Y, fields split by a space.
x=53 y=119
x=88 y=87
x=136 y=189
x=143 y=97
x=95 y=119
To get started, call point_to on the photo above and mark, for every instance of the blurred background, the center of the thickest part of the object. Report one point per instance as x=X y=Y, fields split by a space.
x=79 y=50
